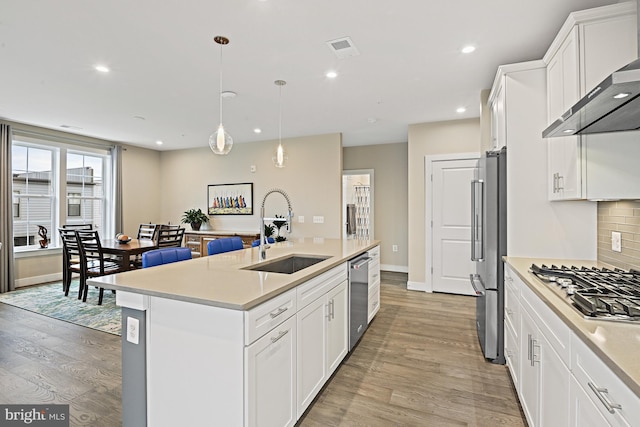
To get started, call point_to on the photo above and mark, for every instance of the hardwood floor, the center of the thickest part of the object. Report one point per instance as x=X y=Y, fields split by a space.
x=419 y=364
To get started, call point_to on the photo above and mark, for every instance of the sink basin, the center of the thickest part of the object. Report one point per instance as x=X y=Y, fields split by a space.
x=288 y=265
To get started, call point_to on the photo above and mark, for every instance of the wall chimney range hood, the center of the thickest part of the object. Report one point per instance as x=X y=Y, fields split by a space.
x=612 y=106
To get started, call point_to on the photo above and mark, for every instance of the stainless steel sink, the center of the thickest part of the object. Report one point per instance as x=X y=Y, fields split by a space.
x=288 y=265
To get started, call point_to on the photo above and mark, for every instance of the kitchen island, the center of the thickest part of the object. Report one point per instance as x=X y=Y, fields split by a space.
x=567 y=369
x=210 y=342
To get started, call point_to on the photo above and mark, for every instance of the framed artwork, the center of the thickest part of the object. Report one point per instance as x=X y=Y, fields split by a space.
x=230 y=199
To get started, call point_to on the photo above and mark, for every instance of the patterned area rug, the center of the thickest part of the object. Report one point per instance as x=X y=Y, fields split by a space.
x=49 y=300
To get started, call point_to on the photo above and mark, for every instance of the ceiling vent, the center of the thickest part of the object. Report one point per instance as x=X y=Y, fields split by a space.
x=343 y=47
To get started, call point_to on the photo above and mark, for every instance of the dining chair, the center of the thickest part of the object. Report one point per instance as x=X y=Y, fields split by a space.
x=92 y=261
x=165 y=256
x=78 y=226
x=70 y=259
x=147 y=231
x=170 y=237
x=226 y=244
x=257 y=242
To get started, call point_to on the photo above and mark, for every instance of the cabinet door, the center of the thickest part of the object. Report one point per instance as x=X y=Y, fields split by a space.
x=554 y=385
x=583 y=412
x=271 y=385
x=498 y=119
x=312 y=351
x=337 y=326
x=529 y=378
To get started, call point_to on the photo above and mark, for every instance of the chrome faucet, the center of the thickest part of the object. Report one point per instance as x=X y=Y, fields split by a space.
x=264 y=245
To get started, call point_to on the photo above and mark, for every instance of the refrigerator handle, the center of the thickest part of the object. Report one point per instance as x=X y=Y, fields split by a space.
x=477 y=210
x=479 y=289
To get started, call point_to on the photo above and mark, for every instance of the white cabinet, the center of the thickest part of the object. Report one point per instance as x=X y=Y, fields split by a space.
x=374 y=283
x=322 y=342
x=498 y=119
x=271 y=382
x=584 y=412
x=512 y=320
x=591 y=45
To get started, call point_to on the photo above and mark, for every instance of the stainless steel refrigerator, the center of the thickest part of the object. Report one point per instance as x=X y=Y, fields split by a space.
x=488 y=246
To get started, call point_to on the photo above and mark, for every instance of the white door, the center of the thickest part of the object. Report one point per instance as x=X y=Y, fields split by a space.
x=451 y=225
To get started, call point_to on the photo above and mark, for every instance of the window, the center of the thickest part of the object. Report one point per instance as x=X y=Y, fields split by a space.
x=44 y=195
x=73 y=204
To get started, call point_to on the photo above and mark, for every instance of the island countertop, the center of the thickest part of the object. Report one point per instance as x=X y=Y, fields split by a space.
x=220 y=280
x=616 y=343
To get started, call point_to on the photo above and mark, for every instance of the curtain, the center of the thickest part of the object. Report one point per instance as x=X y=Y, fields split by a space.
x=7 y=273
x=116 y=161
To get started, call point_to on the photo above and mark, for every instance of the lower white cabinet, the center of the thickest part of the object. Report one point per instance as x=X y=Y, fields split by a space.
x=271 y=381
x=584 y=412
x=322 y=342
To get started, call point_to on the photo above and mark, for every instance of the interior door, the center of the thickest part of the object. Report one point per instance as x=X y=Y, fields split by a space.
x=451 y=226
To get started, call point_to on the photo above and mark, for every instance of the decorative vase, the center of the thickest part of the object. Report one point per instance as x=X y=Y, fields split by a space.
x=195 y=226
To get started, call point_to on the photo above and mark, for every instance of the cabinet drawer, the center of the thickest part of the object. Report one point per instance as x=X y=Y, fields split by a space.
x=374 y=254
x=592 y=373
x=512 y=354
x=374 y=301
x=312 y=289
x=551 y=326
x=261 y=319
x=374 y=273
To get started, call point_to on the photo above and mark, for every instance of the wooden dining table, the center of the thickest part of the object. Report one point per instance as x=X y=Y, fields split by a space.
x=126 y=250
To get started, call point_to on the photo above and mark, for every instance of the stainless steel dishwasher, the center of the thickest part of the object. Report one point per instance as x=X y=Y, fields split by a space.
x=358 y=297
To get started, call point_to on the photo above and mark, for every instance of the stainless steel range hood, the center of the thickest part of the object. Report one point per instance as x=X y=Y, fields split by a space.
x=612 y=106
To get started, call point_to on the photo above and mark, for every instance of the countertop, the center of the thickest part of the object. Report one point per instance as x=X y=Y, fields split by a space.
x=220 y=280
x=616 y=343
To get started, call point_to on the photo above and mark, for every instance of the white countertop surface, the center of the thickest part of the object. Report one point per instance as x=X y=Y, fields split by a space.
x=219 y=280
x=616 y=343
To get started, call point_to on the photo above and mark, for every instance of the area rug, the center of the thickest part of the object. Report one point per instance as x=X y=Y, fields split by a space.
x=49 y=300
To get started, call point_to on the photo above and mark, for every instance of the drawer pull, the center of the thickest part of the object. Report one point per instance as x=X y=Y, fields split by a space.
x=599 y=391
x=280 y=335
x=278 y=312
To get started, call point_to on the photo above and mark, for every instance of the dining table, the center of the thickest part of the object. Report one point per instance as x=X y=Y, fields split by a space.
x=125 y=250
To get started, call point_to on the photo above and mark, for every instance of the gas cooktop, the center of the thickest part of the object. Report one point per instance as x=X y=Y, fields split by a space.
x=598 y=293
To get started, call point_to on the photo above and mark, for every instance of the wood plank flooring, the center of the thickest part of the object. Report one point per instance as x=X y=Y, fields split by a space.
x=419 y=364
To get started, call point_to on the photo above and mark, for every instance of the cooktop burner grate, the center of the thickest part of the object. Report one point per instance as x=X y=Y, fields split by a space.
x=602 y=293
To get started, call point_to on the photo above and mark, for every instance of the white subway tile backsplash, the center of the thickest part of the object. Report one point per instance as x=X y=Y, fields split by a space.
x=623 y=216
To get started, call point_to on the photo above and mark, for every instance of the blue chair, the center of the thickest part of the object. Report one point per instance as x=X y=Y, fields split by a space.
x=257 y=242
x=165 y=256
x=226 y=244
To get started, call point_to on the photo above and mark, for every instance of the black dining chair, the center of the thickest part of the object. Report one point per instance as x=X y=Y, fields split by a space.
x=170 y=237
x=70 y=259
x=145 y=232
x=92 y=261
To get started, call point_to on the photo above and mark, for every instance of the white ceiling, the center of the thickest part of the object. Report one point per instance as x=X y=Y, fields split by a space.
x=164 y=78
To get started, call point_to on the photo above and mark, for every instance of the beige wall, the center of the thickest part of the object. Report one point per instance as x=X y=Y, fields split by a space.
x=312 y=178
x=389 y=162
x=141 y=188
x=427 y=139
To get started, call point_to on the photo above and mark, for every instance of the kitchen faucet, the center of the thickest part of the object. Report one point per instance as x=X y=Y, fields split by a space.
x=263 y=245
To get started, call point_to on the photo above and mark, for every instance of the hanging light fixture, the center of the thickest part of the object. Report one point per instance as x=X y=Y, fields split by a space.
x=280 y=156
x=220 y=141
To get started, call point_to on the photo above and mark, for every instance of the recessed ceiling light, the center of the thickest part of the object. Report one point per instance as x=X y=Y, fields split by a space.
x=102 y=68
x=331 y=74
x=228 y=94
x=139 y=118
x=621 y=95
x=158 y=142
x=372 y=120
x=70 y=127
x=468 y=49
x=257 y=130
x=461 y=110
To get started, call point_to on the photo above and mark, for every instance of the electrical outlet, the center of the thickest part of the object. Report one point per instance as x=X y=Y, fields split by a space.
x=300 y=219
x=133 y=330
x=616 y=241
x=253 y=168
x=394 y=248
x=318 y=219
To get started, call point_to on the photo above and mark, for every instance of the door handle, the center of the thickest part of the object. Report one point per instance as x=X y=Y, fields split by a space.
x=477 y=209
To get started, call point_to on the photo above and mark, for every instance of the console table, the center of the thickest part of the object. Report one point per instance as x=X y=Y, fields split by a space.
x=197 y=240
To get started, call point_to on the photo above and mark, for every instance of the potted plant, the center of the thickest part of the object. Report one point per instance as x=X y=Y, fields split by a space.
x=279 y=224
x=195 y=217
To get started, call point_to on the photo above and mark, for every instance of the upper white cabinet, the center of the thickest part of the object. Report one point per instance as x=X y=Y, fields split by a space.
x=498 y=119
x=590 y=46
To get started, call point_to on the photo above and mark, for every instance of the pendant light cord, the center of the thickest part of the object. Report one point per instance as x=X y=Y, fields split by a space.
x=280 y=118
x=220 y=93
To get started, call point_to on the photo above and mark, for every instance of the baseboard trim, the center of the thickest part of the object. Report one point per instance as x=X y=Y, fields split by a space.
x=417 y=286
x=37 y=280
x=394 y=268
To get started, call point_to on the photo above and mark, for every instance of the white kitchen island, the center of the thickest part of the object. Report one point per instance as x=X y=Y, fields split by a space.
x=218 y=344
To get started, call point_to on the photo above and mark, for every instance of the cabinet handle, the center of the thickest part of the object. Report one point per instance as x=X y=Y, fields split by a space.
x=508 y=310
x=332 y=305
x=529 y=347
x=278 y=312
x=599 y=391
x=534 y=345
x=280 y=335
x=560 y=187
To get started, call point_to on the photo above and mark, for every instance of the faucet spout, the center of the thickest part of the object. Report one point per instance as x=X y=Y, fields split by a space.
x=264 y=245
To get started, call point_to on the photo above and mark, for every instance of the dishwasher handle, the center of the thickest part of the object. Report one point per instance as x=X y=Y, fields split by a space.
x=360 y=263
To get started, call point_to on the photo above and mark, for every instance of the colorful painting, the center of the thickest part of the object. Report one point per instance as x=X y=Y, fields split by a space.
x=230 y=199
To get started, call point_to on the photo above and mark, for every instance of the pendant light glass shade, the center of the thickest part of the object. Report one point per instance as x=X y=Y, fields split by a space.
x=280 y=156
x=220 y=141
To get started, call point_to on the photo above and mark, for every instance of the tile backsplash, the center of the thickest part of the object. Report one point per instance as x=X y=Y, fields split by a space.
x=624 y=217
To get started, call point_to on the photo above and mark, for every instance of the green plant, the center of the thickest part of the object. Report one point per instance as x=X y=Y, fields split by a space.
x=280 y=239
x=194 y=216
x=268 y=230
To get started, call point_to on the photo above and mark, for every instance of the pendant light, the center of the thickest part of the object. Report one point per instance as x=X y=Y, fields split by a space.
x=280 y=156
x=220 y=141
